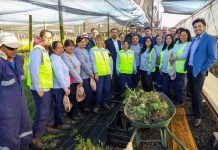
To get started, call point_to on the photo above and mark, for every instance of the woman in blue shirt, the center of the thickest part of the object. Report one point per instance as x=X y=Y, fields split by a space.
x=61 y=83
x=147 y=65
x=86 y=72
x=180 y=53
x=165 y=63
x=158 y=48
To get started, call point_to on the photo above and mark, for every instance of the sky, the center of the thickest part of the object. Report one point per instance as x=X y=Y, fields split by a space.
x=170 y=20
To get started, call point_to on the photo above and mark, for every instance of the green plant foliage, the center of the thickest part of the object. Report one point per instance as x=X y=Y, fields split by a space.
x=146 y=107
x=84 y=144
x=30 y=101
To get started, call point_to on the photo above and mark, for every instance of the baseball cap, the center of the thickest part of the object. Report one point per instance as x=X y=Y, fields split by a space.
x=84 y=35
x=9 y=40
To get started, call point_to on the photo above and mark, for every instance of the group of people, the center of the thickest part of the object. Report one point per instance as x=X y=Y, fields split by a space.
x=55 y=70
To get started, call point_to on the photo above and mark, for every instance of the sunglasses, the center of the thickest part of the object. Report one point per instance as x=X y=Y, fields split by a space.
x=10 y=48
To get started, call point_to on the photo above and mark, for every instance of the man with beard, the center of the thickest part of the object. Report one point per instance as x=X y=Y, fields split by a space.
x=114 y=46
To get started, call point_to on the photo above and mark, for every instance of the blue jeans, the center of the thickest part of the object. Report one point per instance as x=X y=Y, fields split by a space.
x=103 y=90
x=44 y=113
x=157 y=80
x=125 y=79
x=60 y=113
x=89 y=94
x=180 y=87
x=166 y=83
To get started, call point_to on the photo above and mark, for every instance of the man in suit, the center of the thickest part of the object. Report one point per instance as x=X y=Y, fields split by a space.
x=91 y=41
x=114 y=46
x=202 y=55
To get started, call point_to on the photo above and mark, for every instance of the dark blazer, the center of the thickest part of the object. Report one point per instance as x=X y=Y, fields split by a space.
x=205 y=55
x=110 y=46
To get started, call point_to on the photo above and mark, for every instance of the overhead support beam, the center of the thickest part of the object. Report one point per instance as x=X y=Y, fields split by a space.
x=30 y=33
x=61 y=22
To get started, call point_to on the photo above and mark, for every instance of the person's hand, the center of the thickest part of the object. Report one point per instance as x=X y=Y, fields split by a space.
x=161 y=73
x=111 y=76
x=40 y=93
x=80 y=84
x=96 y=77
x=148 y=73
x=67 y=91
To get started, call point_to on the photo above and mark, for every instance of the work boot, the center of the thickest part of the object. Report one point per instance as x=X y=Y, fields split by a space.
x=107 y=106
x=86 y=109
x=37 y=144
x=96 y=109
x=180 y=105
x=51 y=130
x=64 y=127
x=197 y=122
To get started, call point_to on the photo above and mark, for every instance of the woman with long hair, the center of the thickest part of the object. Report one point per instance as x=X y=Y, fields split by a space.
x=147 y=65
x=165 y=63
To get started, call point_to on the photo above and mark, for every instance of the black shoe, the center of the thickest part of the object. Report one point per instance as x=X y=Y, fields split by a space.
x=197 y=122
x=190 y=113
x=96 y=109
x=53 y=131
x=37 y=144
x=64 y=127
x=107 y=106
x=87 y=110
x=179 y=105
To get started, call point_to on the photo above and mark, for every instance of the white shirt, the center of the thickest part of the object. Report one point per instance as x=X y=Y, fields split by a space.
x=116 y=44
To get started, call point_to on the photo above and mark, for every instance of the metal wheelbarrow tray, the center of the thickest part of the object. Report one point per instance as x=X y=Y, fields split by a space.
x=163 y=125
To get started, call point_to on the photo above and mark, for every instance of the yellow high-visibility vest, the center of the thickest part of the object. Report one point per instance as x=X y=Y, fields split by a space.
x=180 y=64
x=161 y=60
x=102 y=61
x=126 y=62
x=150 y=60
x=45 y=71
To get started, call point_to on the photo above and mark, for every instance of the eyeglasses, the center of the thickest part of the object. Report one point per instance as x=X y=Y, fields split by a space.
x=10 y=48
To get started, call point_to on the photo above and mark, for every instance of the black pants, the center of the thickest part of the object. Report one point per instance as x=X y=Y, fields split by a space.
x=196 y=85
x=75 y=109
x=147 y=81
x=136 y=78
x=115 y=84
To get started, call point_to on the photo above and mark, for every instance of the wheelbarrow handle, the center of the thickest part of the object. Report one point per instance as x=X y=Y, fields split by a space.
x=176 y=139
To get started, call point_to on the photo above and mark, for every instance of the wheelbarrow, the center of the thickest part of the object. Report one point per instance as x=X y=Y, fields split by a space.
x=162 y=126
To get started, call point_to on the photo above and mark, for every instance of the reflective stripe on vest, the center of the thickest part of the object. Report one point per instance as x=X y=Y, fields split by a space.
x=180 y=64
x=102 y=61
x=150 y=60
x=45 y=71
x=161 y=60
x=126 y=62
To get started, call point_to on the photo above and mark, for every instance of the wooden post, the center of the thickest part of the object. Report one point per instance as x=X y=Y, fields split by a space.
x=30 y=33
x=84 y=27
x=152 y=14
x=108 y=25
x=61 y=23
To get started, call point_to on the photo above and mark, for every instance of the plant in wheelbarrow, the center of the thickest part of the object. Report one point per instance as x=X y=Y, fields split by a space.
x=146 y=107
x=149 y=110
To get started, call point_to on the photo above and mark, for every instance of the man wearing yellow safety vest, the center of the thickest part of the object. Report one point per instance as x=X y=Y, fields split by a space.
x=180 y=53
x=102 y=65
x=40 y=80
x=125 y=66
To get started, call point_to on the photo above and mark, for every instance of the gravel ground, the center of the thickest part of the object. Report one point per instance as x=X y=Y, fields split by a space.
x=204 y=134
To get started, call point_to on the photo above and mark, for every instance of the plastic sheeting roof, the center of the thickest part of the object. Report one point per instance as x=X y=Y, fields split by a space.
x=184 y=6
x=74 y=11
